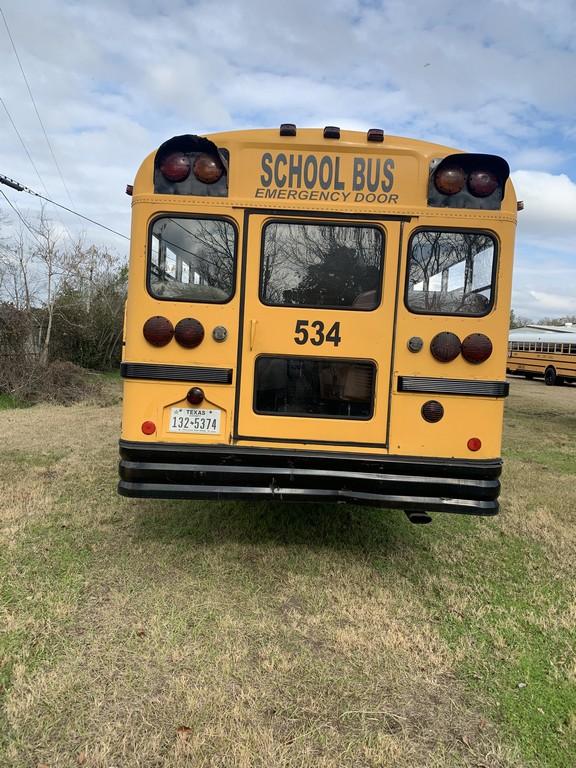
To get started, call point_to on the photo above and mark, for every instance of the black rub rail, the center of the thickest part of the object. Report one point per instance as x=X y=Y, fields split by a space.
x=190 y=373
x=470 y=387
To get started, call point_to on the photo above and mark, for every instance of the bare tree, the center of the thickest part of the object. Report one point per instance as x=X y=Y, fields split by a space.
x=52 y=259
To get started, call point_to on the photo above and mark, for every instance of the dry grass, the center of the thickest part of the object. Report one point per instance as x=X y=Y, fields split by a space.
x=144 y=633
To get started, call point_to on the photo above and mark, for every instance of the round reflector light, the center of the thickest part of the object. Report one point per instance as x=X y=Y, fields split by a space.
x=189 y=332
x=175 y=166
x=476 y=348
x=482 y=183
x=207 y=169
x=158 y=331
x=450 y=179
x=415 y=344
x=432 y=411
x=474 y=444
x=445 y=346
x=220 y=333
x=195 y=396
x=148 y=427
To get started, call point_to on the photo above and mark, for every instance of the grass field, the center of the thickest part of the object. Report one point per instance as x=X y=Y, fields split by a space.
x=149 y=634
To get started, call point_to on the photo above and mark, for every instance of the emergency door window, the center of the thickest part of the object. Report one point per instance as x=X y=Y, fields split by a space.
x=321 y=265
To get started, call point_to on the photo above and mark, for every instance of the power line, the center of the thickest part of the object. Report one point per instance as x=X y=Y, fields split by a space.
x=22 y=219
x=21 y=188
x=24 y=145
x=35 y=107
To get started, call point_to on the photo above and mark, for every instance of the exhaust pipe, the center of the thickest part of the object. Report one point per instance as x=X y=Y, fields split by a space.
x=419 y=518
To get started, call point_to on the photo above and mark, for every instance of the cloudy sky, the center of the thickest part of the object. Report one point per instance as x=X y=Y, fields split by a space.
x=113 y=79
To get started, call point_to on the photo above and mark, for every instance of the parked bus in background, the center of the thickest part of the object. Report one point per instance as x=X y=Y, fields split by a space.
x=318 y=315
x=543 y=351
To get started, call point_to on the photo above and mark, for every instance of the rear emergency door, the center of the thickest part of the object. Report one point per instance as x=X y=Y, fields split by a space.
x=317 y=328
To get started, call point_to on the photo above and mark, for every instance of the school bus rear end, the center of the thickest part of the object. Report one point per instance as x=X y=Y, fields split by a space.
x=327 y=320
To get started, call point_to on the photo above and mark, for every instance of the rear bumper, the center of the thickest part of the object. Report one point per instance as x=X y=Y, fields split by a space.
x=168 y=471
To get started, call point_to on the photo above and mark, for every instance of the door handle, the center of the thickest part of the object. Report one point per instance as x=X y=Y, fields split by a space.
x=253 y=324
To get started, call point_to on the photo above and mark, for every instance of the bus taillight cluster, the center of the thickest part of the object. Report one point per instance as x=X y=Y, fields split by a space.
x=159 y=331
x=452 y=178
x=468 y=181
x=177 y=166
x=446 y=346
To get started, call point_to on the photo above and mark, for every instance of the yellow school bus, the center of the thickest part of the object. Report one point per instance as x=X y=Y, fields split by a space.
x=540 y=353
x=318 y=315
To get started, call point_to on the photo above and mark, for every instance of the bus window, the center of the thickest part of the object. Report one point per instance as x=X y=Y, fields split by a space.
x=192 y=259
x=321 y=265
x=450 y=273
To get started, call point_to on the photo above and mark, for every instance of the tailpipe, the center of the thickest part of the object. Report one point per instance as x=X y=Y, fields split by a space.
x=419 y=518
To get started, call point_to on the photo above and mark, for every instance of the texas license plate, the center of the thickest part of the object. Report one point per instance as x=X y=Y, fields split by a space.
x=195 y=421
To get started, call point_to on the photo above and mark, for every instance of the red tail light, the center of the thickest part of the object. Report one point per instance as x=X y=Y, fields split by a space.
x=482 y=183
x=476 y=348
x=208 y=169
x=445 y=346
x=450 y=179
x=158 y=331
x=474 y=444
x=189 y=332
x=176 y=166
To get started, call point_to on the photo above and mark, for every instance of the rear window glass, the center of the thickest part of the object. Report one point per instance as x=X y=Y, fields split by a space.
x=305 y=386
x=321 y=265
x=192 y=259
x=450 y=273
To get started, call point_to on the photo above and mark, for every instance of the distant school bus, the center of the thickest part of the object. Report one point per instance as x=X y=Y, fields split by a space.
x=318 y=315
x=546 y=354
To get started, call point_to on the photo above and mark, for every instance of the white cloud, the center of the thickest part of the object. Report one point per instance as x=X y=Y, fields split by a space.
x=550 y=205
x=554 y=303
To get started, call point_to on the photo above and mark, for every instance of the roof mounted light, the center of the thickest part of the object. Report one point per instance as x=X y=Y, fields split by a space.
x=331 y=132
x=375 y=134
x=287 y=129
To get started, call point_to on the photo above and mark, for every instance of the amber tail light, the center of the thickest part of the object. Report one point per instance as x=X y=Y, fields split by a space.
x=207 y=169
x=158 y=331
x=450 y=179
x=476 y=348
x=445 y=346
x=189 y=333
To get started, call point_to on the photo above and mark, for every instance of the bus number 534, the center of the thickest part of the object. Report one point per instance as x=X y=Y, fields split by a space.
x=314 y=333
